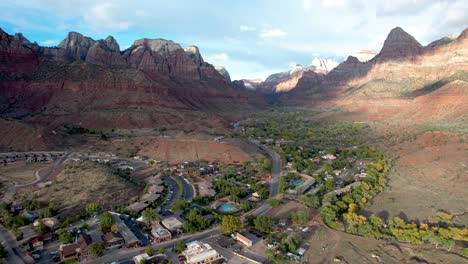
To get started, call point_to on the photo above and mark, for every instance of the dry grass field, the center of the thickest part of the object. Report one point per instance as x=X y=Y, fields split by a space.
x=81 y=183
x=21 y=172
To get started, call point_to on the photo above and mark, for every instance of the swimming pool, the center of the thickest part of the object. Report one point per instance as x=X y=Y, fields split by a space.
x=227 y=208
x=297 y=183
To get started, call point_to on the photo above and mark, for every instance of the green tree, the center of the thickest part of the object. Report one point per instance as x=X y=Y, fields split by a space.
x=263 y=224
x=92 y=208
x=161 y=250
x=282 y=184
x=64 y=236
x=266 y=164
x=300 y=217
x=3 y=252
x=328 y=214
x=231 y=224
x=41 y=228
x=180 y=245
x=150 y=215
x=180 y=204
x=150 y=251
x=97 y=249
x=274 y=202
x=329 y=185
x=106 y=220
x=311 y=201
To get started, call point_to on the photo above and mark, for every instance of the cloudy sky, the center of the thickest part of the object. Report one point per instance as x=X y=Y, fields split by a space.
x=250 y=38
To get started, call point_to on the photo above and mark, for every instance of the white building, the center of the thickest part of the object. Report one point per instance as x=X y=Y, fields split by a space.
x=201 y=253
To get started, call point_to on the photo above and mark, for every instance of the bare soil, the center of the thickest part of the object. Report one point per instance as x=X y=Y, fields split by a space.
x=81 y=183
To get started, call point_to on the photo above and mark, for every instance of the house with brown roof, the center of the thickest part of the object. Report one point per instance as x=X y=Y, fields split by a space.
x=111 y=239
x=80 y=247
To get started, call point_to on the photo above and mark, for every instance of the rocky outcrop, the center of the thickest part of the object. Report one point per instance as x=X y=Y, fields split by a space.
x=76 y=47
x=223 y=73
x=15 y=59
x=321 y=65
x=106 y=53
x=153 y=83
x=399 y=45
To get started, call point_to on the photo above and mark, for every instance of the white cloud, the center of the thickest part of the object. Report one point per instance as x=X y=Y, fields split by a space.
x=346 y=5
x=49 y=42
x=218 y=59
x=272 y=33
x=107 y=15
x=244 y=28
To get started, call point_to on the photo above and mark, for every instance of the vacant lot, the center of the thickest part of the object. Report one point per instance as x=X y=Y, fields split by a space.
x=21 y=172
x=430 y=174
x=81 y=183
x=181 y=148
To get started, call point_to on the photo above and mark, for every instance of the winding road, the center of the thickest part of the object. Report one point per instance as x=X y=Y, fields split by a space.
x=15 y=254
x=127 y=255
x=275 y=174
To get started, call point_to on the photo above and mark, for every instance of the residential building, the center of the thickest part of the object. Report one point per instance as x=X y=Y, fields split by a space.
x=111 y=239
x=172 y=224
x=137 y=207
x=159 y=258
x=80 y=247
x=205 y=189
x=243 y=239
x=201 y=253
x=39 y=241
x=129 y=237
x=160 y=234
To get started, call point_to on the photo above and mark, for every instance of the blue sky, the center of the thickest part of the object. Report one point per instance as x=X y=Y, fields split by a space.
x=251 y=39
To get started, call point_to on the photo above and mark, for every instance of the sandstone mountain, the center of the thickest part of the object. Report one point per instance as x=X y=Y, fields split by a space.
x=93 y=84
x=286 y=81
x=403 y=79
x=321 y=65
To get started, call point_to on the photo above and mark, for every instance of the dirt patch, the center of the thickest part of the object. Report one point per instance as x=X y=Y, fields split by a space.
x=81 y=183
x=429 y=175
x=21 y=172
x=183 y=148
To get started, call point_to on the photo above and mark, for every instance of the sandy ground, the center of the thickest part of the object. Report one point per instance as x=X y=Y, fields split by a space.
x=21 y=172
x=80 y=184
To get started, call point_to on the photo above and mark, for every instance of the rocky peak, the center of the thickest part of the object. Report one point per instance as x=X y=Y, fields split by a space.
x=159 y=46
x=22 y=39
x=223 y=73
x=399 y=45
x=296 y=69
x=194 y=53
x=322 y=65
x=76 y=46
x=112 y=44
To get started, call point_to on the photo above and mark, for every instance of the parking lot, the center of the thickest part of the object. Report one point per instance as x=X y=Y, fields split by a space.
x=172 y=194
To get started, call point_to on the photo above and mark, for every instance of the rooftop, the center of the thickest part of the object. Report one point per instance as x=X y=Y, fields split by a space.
x=126 y=233
x=171 y=223
x=198 y=251
x=158 y=231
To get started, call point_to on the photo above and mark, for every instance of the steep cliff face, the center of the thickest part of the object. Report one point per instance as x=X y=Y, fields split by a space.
x=106 y=53
x=221 y=70
x=92 y=84
x=322 y=65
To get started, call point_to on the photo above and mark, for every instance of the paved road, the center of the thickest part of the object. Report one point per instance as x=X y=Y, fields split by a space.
x=275 y=173
x=127 y=255
x=174 y=187
x=15 y=255
x=188 y=189
x=57 y=165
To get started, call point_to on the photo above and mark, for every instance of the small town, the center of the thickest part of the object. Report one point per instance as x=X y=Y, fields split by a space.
x=188 y=212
